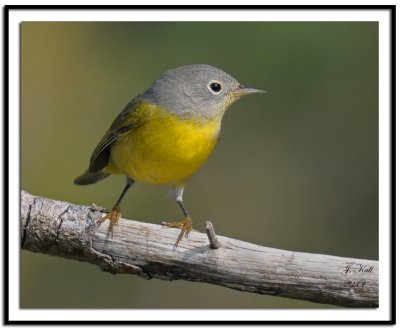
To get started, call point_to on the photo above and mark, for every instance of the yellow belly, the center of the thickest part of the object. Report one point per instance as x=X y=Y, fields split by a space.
x=165 y=149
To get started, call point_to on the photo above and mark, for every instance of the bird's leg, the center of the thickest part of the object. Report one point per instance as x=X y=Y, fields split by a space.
x=115 y=214
x=186 y=223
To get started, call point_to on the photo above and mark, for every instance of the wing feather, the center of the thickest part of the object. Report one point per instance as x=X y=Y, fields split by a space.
x=125 y=122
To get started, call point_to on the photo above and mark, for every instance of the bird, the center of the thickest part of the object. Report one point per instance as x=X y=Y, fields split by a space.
x=165 y=134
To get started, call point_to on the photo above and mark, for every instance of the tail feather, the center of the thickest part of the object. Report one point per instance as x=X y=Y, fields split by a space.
x=90 y=177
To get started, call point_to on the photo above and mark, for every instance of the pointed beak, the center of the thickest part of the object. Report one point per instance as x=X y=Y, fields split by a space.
x=242 y=91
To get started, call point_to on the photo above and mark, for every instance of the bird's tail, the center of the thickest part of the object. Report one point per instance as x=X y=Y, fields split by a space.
x=90 y=177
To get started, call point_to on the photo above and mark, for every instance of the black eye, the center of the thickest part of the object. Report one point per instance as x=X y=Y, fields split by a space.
x=215 y=87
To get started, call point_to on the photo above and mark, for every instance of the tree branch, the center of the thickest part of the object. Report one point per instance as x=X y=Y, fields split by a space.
x=74 y=231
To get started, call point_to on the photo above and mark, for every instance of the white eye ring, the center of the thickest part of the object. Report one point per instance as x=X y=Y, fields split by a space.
x=215 y=87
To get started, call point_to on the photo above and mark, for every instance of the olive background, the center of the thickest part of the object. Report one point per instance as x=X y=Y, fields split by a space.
x=295 y=169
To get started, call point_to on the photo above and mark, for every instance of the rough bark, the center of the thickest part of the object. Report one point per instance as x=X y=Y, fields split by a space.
x=74 y=231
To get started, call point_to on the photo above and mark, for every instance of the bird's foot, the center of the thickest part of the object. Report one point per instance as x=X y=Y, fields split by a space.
x=114 y=215
x=185 y=225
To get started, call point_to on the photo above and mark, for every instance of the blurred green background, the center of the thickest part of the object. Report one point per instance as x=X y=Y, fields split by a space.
x=296 y=168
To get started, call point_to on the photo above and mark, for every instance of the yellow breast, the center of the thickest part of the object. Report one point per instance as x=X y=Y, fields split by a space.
x=164 y=149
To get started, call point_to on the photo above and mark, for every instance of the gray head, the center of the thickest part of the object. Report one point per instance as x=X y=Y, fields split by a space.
x=196 y=91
